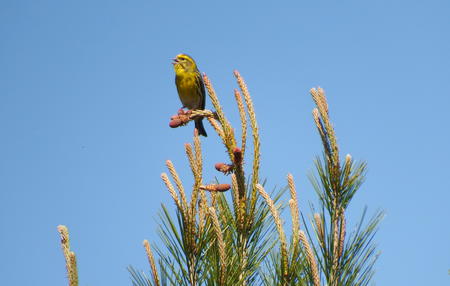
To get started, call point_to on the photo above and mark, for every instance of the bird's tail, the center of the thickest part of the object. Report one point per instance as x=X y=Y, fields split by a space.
x=200 y=128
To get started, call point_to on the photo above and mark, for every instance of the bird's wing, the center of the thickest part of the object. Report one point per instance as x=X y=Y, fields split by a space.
x=202 y=90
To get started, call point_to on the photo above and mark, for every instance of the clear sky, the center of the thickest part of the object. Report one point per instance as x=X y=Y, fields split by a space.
x=87 y=89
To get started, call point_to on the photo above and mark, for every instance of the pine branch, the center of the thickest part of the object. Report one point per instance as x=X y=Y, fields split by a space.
x=71 y=261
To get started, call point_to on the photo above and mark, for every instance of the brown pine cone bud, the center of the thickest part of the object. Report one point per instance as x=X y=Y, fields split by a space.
x=175 y=122
x=224 y=168
x=237 y=156
x=179 y=120
x=216 y=187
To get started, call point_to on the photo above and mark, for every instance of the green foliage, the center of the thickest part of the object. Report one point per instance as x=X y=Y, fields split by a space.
x=139 y=278
x=354 y=266
x=253 y=246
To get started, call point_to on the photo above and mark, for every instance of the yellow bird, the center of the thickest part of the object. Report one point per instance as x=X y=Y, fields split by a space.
x=190 y=86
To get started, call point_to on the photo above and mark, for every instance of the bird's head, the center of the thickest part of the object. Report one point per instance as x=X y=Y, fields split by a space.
x=184 y=63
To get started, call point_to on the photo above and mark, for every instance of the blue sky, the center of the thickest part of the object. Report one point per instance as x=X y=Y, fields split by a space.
x=87 y=89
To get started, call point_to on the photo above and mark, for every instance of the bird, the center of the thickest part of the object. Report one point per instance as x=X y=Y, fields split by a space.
x=190 y=87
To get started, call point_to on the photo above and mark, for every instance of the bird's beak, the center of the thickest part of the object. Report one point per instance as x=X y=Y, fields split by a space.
x=174 y=61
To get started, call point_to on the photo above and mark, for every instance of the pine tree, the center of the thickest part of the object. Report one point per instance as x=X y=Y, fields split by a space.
x=232 y=234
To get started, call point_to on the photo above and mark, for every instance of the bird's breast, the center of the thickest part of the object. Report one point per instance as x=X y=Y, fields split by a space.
x=188 y=91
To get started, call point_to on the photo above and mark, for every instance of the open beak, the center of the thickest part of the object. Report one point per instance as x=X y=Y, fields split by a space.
x=174 y=61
